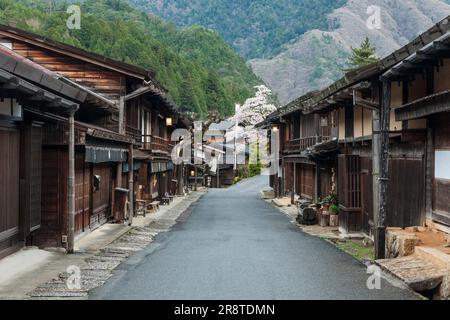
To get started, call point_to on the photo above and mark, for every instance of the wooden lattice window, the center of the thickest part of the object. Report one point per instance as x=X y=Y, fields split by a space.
x=349 y=182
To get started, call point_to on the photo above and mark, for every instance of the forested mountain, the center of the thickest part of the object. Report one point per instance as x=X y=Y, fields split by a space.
x=300 y=45
x=319 y=57
x=200 y=71
x=255 y=28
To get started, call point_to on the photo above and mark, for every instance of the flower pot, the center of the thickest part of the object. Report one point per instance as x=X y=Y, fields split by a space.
x=334 y=220
x=324 y=219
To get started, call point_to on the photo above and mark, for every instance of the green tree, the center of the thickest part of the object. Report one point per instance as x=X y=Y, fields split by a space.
x=362 y=56
x=200 y=71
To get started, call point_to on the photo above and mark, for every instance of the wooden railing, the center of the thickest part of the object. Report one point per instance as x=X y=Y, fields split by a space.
x=58 y=134
x=156 y=144
x=326 y=132
x=134 y=133
x=299 y=145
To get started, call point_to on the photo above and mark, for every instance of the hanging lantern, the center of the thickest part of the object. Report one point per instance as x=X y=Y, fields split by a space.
x=169 y=121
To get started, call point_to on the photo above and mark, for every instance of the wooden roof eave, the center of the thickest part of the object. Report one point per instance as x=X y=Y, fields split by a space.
x=89 y=129
x=424 y=107
x=32 y=94
x=416 y=62
x=94 y=98
x=377 y=69
x=101 y=133
x=74 y=52
x=147 y=87
x=366 y=103
x=35 y=73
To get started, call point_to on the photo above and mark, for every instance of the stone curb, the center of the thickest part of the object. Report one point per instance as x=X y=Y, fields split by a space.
x=99 y=267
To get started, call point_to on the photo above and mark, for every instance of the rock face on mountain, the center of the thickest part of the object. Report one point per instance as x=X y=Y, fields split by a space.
x=317 y=58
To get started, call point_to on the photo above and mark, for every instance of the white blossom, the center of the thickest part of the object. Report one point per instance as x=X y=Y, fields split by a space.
x=255 y=109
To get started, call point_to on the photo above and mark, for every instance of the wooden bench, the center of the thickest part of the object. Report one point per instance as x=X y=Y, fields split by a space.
x=146 y=206
x=167 y=199
x=154 y=205
x=141 y=207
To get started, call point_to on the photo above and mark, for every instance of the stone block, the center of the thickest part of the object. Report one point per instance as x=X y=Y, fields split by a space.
x=400 y=244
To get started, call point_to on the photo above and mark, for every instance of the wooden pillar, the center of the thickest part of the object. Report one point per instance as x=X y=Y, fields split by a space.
x=375 y=167
x=429 y=174
x=381 y=156
x=180 y=178
x=293 y=183
x=71 y=183
x=130 y=185
x=281 y=180
x=121 y=131
x=317 y=182
x=196 y=175
x=429 y=152
x=218 y=177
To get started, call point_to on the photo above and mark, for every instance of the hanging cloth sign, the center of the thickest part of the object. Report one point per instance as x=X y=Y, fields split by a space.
x=101 y=154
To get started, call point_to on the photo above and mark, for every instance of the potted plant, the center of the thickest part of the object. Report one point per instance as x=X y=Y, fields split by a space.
x=333 y=198
x=324 y=216
x=326 y=202
x=334 y=215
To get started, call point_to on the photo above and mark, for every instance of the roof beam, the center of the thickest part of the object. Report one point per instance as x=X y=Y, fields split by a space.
x=12 y=83
x=440 y=46
x=38 y=95
x=366 y=103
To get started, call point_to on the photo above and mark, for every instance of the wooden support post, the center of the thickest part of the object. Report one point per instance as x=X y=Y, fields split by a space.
x=293 y=184
x=121 y=115
x=180 y=178
x=375 y=171
x=121 y=131
x=130 y=186
x=280 y=178
x=317 y=182
x=218 y=177
x=382 y=157
x=196 y=175
x=71 y=183
x=429 y=156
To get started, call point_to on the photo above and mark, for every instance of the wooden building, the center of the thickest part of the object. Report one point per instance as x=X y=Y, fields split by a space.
x=425 y=77
x=158 y=175
x=334 y=139
x=25 y=92
x=121 y=136
x=221 y=173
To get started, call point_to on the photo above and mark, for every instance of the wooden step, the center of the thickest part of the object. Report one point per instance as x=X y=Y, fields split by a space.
x=419 y=274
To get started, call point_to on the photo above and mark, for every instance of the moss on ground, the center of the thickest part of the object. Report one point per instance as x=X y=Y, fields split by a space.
x=357 y=249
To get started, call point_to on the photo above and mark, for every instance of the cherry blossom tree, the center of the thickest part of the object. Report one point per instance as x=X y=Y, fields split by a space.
x=255 y=109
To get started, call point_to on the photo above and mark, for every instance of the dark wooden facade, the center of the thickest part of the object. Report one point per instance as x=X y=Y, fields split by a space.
x=34 y=189
x=441 y=185
x=21 y=163
x=9 y=188
x=417 y=95
x=430 y=108
x=335 y=133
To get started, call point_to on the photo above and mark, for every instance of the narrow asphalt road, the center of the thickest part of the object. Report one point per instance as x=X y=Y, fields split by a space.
x=233 y=245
